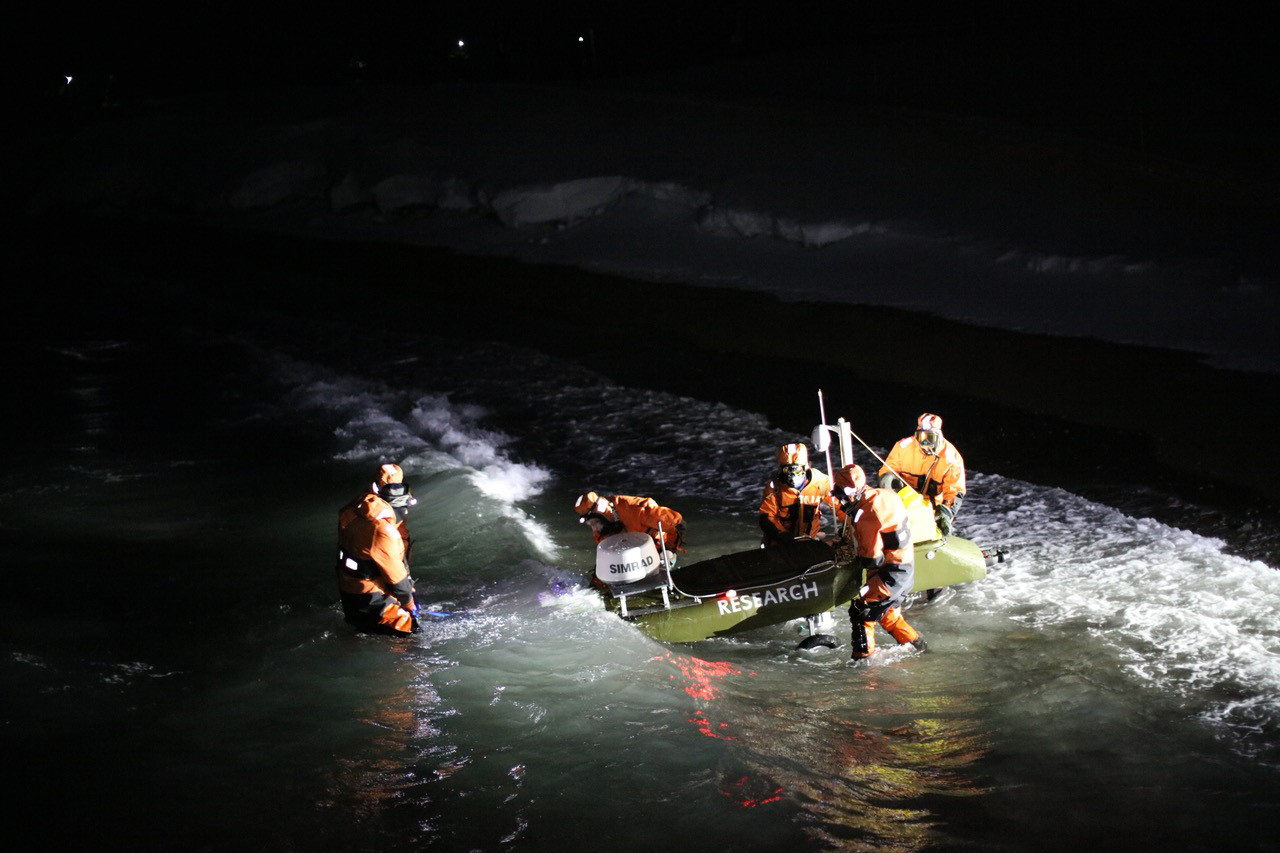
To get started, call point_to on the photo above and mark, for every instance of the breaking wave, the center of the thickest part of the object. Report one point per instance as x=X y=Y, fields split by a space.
x=427 y=434
x=1181 y=615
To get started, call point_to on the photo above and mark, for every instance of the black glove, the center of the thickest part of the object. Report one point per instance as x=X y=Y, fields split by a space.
x=868 y=611
x=943 y=515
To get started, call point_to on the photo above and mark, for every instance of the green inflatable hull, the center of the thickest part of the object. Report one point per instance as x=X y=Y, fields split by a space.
x=754 y=589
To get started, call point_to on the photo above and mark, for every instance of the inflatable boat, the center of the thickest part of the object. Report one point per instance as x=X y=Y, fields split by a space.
x=803 y=579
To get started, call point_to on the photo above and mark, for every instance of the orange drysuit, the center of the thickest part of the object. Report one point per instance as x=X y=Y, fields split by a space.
x=939 y=477
x=877 y=524
x=643 y=515
x=373 y=568
x=787 y=513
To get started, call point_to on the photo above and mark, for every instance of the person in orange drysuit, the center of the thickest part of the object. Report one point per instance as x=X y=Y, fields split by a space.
x=373 y=557
x=932 y=466
x=875 y=521
x=618 y=513
x=791 y=507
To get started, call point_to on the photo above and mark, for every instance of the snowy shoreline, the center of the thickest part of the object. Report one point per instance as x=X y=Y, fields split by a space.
x=952 y=217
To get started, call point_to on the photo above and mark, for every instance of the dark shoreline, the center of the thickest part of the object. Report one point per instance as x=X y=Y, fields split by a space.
x=1088 y=416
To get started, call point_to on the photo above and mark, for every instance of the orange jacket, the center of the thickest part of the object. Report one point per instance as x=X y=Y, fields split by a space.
x=643 y=515
x=880 y=529
x=788 y=513
x=940 y=478
x=372 y=558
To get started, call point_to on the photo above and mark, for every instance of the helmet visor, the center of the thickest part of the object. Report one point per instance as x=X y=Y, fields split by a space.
x=792 y=474
x=397 y=494
x=928 y=440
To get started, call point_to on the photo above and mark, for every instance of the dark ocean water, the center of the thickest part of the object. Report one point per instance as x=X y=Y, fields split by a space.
x=177 y=673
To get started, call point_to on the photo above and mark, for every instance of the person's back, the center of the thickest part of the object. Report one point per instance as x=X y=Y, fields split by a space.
x=882 y=511
x=373 y=575
x=877 y=522
x=368 y=531
x=632 y=514
x=645 y=515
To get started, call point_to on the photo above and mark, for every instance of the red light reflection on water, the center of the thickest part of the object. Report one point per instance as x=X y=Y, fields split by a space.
x=707 y=728
x=738 y=790
x=700 y=677
x=700 y=674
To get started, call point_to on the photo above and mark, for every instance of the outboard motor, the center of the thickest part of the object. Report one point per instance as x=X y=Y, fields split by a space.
x=626 y=558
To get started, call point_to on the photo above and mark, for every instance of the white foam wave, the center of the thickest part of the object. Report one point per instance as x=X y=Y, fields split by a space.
x=1184 y=616
x=426 y=433
x=374 y=421
x=456 y=430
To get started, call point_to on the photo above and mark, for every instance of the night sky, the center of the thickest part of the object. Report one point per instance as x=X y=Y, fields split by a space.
x=1171 y=77
x=1064 y=46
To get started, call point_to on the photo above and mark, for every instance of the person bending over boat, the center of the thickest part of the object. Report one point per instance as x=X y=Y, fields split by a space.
x=628 y=513
x=791 y=507
x=875 y=524
x=932 y=466
x=373 y=557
